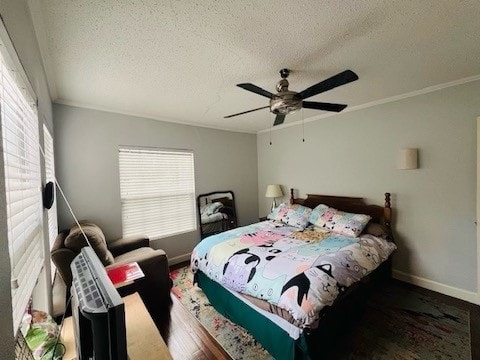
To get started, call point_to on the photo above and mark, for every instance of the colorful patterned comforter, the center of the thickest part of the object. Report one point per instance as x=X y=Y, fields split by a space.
x=299 y=271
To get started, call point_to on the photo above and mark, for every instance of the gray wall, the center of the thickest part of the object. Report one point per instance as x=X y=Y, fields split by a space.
x=86 y=155
x=19 y=26
x=355 y=154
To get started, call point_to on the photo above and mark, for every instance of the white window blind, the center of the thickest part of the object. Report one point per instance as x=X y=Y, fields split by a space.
x=20 y=142
x=50 y=176
x=157 y=190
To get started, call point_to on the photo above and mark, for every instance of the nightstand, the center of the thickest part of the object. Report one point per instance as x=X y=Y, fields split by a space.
x=263 y=218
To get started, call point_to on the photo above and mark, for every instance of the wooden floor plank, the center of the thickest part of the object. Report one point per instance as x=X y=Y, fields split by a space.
x=186 y=338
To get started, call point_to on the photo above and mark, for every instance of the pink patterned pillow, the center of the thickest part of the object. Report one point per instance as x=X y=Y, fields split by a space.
x=293 y=215
x=297 y=216
x=279 y=212
x=348 y=224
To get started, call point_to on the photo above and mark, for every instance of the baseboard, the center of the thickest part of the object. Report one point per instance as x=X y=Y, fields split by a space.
x=438 y=287
x=178 y=259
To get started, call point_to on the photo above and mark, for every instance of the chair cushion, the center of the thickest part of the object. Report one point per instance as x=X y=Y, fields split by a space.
x=75 y=241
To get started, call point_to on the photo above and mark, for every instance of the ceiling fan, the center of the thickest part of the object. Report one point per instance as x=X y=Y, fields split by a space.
x=286 y=101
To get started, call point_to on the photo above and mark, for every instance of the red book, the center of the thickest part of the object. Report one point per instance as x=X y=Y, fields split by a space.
x=125 y=274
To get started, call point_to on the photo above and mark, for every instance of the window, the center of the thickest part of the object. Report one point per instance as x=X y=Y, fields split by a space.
x=20 y=141
x=157 y=190
x=50 y=176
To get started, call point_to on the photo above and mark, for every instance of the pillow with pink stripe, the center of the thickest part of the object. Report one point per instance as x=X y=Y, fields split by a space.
x=340 y=222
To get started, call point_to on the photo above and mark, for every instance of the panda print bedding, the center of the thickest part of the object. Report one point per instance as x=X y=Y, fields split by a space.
x=300 y=271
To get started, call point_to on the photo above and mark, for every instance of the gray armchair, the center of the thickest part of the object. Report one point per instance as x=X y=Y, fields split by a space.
x=154 y=288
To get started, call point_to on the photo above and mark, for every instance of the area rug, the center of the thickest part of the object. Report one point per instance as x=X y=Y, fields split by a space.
x=398 y=323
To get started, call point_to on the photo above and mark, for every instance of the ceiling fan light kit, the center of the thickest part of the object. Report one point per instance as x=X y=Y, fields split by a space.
x=286 y=101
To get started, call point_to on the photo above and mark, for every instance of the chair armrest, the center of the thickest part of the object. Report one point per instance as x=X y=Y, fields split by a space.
x=126 y=244
x=154 y=264
x=143 y=259
x=155 y=267
x=155 y=287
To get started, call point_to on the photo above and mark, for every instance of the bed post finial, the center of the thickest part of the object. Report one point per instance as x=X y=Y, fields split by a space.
x=387 y=213
x=292 y=198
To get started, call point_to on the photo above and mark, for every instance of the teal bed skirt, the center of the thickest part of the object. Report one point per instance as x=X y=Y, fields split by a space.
x=273 y=338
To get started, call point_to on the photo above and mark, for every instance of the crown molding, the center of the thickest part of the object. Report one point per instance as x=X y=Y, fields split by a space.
x=426 y=90
x=146 y=116
x=41 y=35
x=379 y=102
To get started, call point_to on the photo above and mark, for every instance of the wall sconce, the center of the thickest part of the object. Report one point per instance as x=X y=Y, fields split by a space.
x=407 y=159
x=274 y=191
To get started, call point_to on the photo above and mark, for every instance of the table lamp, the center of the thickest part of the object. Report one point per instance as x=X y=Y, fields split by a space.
x=273 y=191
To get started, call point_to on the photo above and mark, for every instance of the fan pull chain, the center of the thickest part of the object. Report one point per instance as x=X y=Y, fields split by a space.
x=270 y=123
x=270 y=133
x=303 y=127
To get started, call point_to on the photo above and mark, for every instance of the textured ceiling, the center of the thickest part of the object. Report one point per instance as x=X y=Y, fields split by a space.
x=180 y=60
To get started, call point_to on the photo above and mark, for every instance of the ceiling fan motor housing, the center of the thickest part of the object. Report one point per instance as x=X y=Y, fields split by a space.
x=285 y=103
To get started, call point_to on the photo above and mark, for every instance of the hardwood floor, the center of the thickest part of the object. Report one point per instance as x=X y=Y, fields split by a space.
x=185 y=336
x=187 y=339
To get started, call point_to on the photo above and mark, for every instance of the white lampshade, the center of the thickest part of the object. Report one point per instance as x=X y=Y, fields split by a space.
x=273 y=191
x=407 y=159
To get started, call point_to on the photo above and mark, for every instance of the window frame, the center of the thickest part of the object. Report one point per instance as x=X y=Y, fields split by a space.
x=151 y=200
x=20 y=133
x=52 y=219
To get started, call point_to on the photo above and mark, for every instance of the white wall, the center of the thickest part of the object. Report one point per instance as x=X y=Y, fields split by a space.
x=354 y=154
x=86 y=155
x=17 y=20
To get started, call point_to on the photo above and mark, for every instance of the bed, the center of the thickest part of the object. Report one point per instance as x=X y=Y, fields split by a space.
x=292 y=281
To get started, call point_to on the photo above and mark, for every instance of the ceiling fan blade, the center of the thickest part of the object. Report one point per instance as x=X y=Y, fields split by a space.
x=340 y=79
x=323 y=106
x=279 y=120
x=245 y=112
x=256 y=89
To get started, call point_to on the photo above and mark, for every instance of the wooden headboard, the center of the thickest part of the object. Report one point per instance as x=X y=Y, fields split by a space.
x=379 y=214
x=225 y=201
